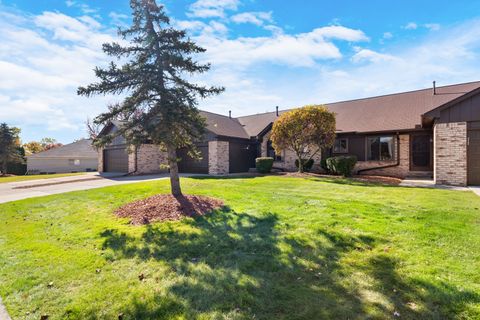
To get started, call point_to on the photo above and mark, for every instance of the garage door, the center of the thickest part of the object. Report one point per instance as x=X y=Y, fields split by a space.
x=474 y=154
x=115 y=160
x=189 y=165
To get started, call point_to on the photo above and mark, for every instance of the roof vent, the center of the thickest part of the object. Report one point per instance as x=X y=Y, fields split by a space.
x=277 y=110
x=434 y=87
x=230 y=114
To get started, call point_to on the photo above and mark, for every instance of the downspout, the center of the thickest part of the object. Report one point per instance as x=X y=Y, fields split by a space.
x=388 y=166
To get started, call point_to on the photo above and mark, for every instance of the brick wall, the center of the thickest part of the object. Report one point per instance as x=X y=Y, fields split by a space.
x=100 y=160
x=149 y=160
x=288 y=157
x=218 y=157
x=450 y=153
x=400 y=171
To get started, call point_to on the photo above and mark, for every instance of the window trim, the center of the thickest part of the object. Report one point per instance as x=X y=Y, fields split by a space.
x=394 y=147
x=346 y=149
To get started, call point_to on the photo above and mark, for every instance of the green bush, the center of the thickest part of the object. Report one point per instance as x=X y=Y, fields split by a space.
x=264 y=164
x=323 y=165
x=16 y=168
x=342 y=165
x=307 y=164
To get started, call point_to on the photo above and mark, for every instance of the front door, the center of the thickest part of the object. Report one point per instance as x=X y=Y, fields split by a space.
x=421 y=152
x=473 y=160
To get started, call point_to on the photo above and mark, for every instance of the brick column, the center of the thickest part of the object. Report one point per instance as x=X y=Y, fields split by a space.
x=100 y=160
x=218 y=157
x=131 y=159
x=450 y=153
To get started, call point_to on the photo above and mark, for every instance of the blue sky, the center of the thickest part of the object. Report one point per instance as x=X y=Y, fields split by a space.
x=265 y=52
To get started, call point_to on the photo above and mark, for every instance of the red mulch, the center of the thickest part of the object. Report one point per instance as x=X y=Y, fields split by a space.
x=165 y=207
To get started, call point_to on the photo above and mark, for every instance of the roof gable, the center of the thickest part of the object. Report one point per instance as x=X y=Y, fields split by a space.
x=79 y=149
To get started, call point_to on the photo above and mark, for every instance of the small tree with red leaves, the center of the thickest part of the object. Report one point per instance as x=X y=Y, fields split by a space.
x=306 y=131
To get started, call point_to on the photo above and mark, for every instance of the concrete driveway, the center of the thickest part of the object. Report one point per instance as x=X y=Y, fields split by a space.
x=37 y=188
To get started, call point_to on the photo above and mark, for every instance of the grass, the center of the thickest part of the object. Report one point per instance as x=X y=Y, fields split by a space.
x=38 y=177
x=284 y=248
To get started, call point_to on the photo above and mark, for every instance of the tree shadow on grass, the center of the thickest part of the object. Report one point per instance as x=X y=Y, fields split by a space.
x=238 y=266
x=418 y=298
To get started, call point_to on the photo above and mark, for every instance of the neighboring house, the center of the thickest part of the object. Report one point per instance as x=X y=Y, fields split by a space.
x=432 y=132
x=79 y=156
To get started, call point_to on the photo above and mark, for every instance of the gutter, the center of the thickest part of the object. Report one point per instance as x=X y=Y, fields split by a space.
x=387 y=166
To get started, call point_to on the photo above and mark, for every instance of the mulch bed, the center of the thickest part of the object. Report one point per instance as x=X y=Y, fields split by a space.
x=166 y=207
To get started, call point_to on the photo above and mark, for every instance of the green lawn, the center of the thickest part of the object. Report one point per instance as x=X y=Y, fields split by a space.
x=284 y=248
x=37 y=177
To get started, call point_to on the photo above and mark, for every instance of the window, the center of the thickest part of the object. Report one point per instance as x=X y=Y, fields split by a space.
x=73 y=162
x=380 y=148
x=341 y=146
x=271 y=152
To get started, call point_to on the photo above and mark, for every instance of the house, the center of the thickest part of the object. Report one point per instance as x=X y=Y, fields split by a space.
x=79 y=156
x=432 y=132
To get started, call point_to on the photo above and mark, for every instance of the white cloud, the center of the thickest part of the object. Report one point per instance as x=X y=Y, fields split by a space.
x=85 y=8
x=46 y=58
x=294 y=50
x=368 y=55
x=448 y=58
x=387 y=35
x=256 y=18
x=432 y=26
x=212 y=8
x=118 y=19
x=411 y=26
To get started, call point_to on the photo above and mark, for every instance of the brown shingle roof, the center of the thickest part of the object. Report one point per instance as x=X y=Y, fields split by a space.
x=80 y=149
x=224 y=126
x=399 y=111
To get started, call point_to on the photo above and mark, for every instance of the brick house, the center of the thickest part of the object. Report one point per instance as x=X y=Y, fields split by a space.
x=431 y=132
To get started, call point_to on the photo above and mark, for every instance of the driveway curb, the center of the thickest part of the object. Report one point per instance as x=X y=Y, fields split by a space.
x=3 y=312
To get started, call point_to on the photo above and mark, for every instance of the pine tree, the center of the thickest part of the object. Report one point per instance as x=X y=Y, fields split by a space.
x=160 y=104
x=9 y=146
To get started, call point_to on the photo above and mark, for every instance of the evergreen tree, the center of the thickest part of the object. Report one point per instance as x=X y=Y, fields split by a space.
x=9 y=146
x=160 y=104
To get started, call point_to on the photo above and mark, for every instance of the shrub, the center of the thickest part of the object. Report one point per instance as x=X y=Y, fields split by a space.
x=264 y=164
x=342 y=165
x=307 y=164
x=323 y=165
x=16 y=168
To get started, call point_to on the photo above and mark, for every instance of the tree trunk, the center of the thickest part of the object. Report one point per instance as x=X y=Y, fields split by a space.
x=4 y=167
x=174 y=178
x=300 y=163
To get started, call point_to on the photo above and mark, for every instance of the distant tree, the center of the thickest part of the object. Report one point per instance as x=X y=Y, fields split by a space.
x=160 y=104
x=93 y=129
x=50 y=143
x=306 y=131
x=33 y=147
x=10 y=150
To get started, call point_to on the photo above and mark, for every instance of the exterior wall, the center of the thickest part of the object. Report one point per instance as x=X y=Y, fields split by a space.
x=60 y=165
x=400 y=171
x=288 y=157
x=218 y=157
x=450 y=153
x=466 y=110
x=149 y=159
